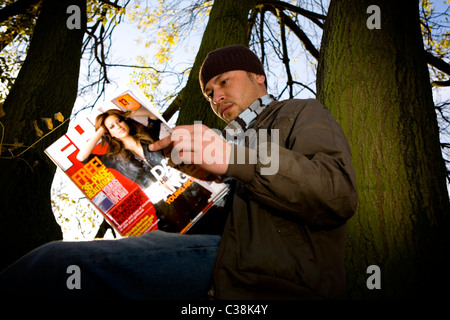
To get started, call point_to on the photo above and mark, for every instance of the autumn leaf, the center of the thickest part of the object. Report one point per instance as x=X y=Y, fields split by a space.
x=48 y=122
x=59 y=117
x=39 y=132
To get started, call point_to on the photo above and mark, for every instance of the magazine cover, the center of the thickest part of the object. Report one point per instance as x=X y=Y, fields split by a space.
x=137 y=191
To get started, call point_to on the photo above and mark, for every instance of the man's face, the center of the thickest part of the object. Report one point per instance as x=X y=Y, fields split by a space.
x=232 y=92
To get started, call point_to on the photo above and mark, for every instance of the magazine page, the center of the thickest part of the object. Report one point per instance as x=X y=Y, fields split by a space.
x=136 y=190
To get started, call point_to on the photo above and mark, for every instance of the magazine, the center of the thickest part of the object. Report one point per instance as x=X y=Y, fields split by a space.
x=135 y=193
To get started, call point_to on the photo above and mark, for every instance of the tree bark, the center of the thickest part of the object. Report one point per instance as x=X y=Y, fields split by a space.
x=227 y=25
x=376 y=84
x=47 y=83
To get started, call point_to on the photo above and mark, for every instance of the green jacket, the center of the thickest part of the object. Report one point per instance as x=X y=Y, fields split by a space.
x=285 y=237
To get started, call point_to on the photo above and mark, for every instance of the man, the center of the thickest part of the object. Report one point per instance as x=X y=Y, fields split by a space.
x=285 y=235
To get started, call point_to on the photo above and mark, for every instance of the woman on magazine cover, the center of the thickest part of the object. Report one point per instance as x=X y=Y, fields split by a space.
x=128 y=153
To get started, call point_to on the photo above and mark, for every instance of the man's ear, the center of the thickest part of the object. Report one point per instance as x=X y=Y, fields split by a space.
x=260 y=78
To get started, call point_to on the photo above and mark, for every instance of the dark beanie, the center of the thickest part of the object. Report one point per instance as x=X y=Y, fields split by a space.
x=228 y=59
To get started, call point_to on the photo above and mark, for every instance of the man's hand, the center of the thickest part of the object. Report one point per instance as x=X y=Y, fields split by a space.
x=196 y=144
x=143 y=112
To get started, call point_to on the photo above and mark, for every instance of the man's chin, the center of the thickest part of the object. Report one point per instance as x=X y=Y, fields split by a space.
x=229 y=116
x=228 y=119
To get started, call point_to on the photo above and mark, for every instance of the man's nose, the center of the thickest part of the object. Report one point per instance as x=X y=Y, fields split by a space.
x=218 y=96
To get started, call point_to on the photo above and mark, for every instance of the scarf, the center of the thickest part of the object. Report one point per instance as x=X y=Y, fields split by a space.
x=234 y=132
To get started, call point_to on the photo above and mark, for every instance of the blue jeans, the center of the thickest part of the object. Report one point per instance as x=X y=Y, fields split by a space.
x=157 y=265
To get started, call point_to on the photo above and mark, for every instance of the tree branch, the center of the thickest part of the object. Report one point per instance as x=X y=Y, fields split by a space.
x=437 y=63
x=174 y=106
x=251 y=22
x=297 y=31
x=301 y=35
x=281 y=18
x=261 y=36
x=306 y=87
x=115 y=5
x=15 y=8
x=440 y=65
x=104 y=226
x=445 y=83
x=7 y=38
x=314 y=17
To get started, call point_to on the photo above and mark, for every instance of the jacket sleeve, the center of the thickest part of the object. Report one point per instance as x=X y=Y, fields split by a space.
x=314 y=180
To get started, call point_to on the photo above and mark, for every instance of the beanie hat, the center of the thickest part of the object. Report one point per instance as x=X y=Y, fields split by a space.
x=226 y=59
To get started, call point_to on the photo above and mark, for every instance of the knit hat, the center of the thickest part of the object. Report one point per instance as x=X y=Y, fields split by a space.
x=226 y=59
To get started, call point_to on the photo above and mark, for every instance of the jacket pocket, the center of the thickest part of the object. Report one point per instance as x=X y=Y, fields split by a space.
x=302 y=252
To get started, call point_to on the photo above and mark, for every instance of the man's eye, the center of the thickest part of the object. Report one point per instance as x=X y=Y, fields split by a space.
x=224 y=81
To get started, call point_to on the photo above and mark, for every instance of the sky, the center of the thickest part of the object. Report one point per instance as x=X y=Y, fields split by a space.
x=125 y=49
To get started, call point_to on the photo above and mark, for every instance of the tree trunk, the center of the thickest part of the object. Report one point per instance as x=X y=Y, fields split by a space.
x=227 y=25
x=376 y=84
x=46 y=84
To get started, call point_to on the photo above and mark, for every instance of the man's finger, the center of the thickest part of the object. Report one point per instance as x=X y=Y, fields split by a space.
x=164 y=143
